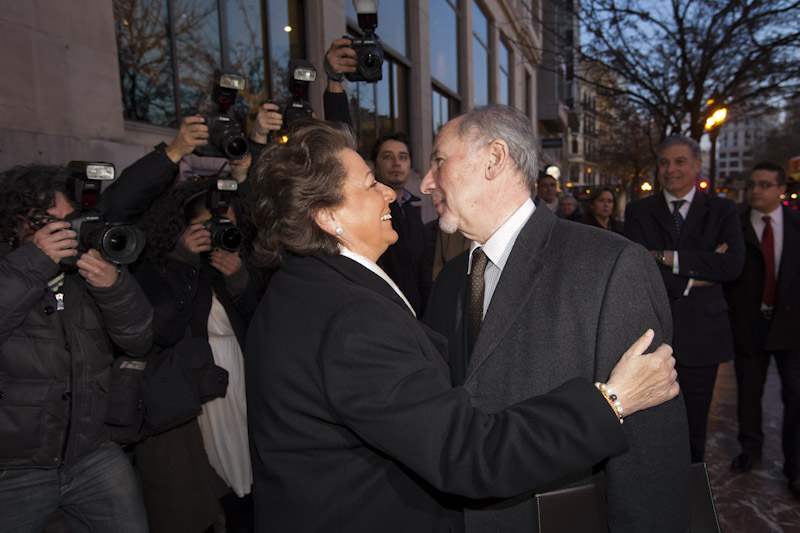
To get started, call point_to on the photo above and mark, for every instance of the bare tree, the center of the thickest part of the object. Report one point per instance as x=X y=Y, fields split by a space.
x=673 y=56
x=627 y=149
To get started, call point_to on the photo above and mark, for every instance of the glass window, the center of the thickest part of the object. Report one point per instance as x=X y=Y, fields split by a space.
x=246 y=53
x=504 y=96
x=528 y=95
x=286 y=41
x=197 y=45
x=145 y=61
x=480 y=51
x=444 y=43
x=168 y=50
x=380 y=108
x=391 y=23
x=443 y=109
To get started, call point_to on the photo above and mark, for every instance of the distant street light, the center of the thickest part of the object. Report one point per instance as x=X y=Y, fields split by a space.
x=713 y=123
x=646 y=186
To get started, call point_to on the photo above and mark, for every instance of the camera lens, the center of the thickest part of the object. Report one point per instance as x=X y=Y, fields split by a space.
x=230 y=239
x=117 y=242
x=120 y=244
x=237 y=148
x=371 y=61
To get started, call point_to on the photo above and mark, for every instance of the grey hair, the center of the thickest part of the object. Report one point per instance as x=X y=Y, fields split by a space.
x=487 y=123
x=683 y=140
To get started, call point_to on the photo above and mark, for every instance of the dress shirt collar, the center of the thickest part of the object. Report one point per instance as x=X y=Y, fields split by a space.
x=499 y=245
x=776 y=217
x=373 y=267
x=404 y=197
x=689 y=198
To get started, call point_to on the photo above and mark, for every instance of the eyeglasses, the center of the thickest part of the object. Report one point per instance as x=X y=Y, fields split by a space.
x=40 y=221
x=750 y=185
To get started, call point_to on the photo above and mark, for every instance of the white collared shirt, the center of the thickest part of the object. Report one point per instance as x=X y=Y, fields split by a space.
x=498 y=248
x=372 y=266
x=776 y=221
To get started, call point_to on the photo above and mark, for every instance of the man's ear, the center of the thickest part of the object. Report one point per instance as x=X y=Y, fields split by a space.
x=326 y=220
x=497 y=158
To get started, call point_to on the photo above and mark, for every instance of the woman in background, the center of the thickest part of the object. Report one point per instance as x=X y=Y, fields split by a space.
x=601 y=210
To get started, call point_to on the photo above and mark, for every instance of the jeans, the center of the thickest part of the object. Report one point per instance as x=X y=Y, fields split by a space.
x=99 y=493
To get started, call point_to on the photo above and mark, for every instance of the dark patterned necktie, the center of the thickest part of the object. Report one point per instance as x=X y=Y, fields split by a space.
x=676 y=214
x=768 y=249
x=475 y=302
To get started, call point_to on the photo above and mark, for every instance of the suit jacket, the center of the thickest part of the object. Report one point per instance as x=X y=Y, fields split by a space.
x=354 y=425
x=744 y=294
x=409 y=261
x=571 y=299
x=702 y=329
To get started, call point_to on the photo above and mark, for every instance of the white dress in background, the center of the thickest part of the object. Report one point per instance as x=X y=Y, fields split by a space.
x=223 y=422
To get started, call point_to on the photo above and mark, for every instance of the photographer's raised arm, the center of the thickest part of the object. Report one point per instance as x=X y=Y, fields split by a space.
x=340 y=59
x=142 y=182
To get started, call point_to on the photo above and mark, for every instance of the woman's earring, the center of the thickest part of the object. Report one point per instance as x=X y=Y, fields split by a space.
x=339 y=230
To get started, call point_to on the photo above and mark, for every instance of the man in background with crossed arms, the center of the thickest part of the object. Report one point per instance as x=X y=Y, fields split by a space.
x=696 y=239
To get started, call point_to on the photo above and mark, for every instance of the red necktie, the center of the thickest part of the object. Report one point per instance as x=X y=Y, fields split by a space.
x=768 y=249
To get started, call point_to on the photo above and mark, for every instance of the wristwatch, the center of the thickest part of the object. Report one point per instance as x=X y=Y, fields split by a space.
x=330 y=73
x=661 y=257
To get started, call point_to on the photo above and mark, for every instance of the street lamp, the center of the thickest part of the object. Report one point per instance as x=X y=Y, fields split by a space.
x=713 y=123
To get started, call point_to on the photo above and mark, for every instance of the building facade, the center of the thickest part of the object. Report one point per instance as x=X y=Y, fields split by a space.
x=106 y=81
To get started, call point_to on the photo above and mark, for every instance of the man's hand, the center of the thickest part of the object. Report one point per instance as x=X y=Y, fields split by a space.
x=342 y=60
x=268 y=119
x=643 y=381
x=239 y=167
x=196 y=239
x=228 y=263
x=192 y=133
x=56 y=240
x=97 y=271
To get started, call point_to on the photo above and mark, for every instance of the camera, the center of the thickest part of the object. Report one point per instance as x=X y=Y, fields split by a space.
x=225 y=138
x=369 y=50
x=301 y=74
x=117 y=242
x=224 y=233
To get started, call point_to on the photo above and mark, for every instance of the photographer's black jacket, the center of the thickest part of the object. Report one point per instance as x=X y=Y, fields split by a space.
x=54 y=365
x=137 y=187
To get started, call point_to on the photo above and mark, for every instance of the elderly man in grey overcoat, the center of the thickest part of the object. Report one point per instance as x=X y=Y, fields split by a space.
x=556 y=300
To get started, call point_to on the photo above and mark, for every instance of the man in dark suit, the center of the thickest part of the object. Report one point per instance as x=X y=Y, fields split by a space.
x=555 y=300
x=765 y=315
x=697 y=241
x=409 y=261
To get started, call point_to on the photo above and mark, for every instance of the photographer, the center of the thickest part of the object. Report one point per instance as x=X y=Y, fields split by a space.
x=200 y=291
x=56 y=334
x=132 y=193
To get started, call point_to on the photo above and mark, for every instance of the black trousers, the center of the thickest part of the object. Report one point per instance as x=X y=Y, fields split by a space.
x=751 y=375
x=697 y=386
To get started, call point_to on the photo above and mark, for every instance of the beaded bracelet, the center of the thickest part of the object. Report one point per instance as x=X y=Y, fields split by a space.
x=611 y=398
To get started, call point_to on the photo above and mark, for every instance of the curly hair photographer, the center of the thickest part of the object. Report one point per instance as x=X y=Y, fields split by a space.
x=57 y=328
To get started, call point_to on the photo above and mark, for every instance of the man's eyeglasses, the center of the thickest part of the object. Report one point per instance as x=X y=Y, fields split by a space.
x=39 y=221
x=750 y=185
